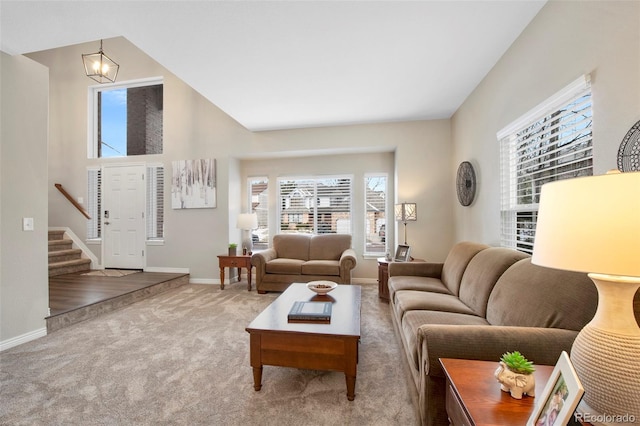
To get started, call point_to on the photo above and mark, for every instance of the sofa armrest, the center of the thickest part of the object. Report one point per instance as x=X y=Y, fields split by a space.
x=487 y=342
x=419 y=269
x=260 y=259
x=348 y=259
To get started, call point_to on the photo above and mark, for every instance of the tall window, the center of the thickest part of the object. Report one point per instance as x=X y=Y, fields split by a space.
x=154 y=203
x=259 y=204
x=375 y=232
x=315 y=205
x=126 y=119
x=552 y=142
x=94 y=200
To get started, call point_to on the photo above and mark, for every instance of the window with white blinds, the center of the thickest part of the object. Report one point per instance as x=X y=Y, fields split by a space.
x=550 y=143
x=375 y=214
x=155 y=202
x=94 y=189
x=259 y=202
x=315 y=205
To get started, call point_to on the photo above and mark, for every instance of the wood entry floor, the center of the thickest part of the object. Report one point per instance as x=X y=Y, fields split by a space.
x=87 y=295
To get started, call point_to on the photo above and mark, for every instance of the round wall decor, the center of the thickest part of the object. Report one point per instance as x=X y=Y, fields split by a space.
x=466 y=183
x=629 y=151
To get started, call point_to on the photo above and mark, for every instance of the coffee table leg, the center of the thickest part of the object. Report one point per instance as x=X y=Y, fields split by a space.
x=257 y=378
x=351 y=367
x=351 y=387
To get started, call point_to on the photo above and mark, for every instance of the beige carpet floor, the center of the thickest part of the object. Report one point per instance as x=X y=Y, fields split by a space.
x=182 y=358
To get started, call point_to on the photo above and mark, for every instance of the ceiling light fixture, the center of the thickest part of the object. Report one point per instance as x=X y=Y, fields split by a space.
x=100 y=67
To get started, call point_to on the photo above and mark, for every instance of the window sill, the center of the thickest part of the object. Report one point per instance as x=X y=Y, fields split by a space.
x=155 y=242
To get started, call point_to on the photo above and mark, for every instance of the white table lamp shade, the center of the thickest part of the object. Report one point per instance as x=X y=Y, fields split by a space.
x=247 y=221
x=590 y=224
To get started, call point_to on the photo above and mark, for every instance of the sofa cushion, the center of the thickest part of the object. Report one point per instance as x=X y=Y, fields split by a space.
x=482 y=273
x=328 y=246
x=321 y=267
x=292 y=246
x=528 y=295
x=411 y=300
x=408 y=282
x=456 y=262
x=284 y=266
x=414 y=319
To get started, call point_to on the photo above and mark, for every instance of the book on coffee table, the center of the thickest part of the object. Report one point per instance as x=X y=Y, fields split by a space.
x=303 y=311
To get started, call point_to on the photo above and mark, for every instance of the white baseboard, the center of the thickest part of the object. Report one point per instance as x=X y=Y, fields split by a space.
x=24 y=338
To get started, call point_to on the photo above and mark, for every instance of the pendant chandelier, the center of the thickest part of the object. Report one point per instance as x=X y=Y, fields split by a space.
x=100 y=67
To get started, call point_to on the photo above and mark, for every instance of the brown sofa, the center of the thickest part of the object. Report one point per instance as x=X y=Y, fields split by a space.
x=481 y=302
x=303 y=258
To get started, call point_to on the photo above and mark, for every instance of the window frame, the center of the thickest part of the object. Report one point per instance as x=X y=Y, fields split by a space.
x=251 y=181
x=92 y=108
x=312 y=202
x=366 y=178
x=518 y=211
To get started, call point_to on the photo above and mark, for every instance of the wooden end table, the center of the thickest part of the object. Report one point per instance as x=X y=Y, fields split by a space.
x=238 y=261
x=315 y=346
x=383 y=277
x=473 y=395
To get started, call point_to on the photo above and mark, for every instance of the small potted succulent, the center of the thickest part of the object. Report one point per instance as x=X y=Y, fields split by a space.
x=515 y=375
x=233 y=248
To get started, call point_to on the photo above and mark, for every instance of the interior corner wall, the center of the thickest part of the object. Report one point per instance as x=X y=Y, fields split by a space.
x=422 y=154
x=193 y=128
x=565 y=40
x=24 y=291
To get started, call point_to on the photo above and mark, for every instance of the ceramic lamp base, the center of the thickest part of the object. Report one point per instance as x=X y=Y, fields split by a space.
x=606 y=353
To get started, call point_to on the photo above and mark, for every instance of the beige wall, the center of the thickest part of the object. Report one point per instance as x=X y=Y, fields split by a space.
x=24 y=292
x=195 y=128
x=565 y=40
x=420 y=173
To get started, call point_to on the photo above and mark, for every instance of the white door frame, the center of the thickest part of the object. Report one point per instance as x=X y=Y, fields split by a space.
x=142 y=238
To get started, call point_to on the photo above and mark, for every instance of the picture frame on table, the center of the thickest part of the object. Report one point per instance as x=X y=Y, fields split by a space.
x=560 y=396
x=402 y=253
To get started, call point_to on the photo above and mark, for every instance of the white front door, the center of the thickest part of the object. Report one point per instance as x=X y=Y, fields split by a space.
x=123 y=216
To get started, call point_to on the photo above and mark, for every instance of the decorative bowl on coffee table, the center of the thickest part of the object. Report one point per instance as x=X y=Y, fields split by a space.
x=321 y=287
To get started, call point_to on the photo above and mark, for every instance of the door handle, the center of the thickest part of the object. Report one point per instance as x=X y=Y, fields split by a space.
x=106 y=223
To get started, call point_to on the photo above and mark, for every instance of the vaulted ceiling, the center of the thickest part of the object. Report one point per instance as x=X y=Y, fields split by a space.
x=292 y=64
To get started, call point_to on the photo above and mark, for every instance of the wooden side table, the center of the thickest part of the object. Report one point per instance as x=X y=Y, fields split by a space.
x=473 y=395
x=238 y=261
x=383 y=277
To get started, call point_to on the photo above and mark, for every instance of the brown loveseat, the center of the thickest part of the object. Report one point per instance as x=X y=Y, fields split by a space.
x=481 y=302
x=303 y=258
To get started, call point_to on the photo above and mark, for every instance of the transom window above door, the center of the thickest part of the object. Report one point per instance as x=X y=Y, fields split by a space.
x=126 y=119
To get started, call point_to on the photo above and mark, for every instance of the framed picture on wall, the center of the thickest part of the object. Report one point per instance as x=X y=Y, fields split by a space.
x=402 y=253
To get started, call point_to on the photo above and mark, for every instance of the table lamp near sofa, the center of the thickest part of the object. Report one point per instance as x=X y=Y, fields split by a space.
x=406 y=212
x=247 y=222
x=592 y=224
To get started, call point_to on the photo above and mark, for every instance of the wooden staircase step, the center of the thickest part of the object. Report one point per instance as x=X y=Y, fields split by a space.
x=69 y=266
x=56 y=235
x=57 y=245
x=62 y=255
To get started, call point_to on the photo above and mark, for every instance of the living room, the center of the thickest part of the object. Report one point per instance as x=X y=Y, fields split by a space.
x=44 y=119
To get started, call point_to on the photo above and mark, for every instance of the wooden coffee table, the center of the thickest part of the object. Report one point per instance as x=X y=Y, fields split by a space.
x=334 y=346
